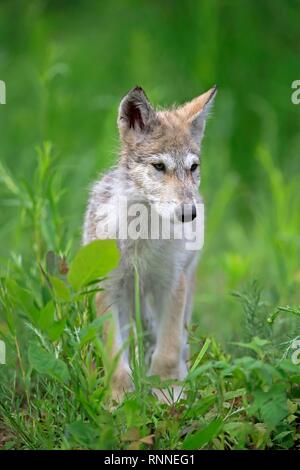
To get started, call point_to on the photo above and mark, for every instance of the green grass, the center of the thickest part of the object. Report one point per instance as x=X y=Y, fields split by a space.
x=66 y=69
x=55 y=391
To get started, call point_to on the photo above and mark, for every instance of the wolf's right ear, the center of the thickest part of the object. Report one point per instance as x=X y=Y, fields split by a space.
x=196 y=111
x=135 y=115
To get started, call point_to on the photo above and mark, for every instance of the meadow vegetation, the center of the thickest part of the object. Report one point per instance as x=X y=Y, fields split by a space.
x=66 y=67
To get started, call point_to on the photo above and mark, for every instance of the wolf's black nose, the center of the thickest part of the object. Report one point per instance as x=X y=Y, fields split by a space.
x=188 y=212
x=194 y=212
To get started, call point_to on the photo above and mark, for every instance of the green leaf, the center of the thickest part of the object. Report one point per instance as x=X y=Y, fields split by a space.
x=238 y=431
x=93 y=261
x=281 y=435
x=92 y=330
x=201 y=354
x=200 y=438
x=256 y=344
x=200 y=407
x=132 y=413
x=23 y=299
x=60 y=290
x=47 y=323
x=46 y=318
x=272 y=405
x=56 y=329
x=45 y=363
x=235 y=393
x=83 y=434
x=289 y=368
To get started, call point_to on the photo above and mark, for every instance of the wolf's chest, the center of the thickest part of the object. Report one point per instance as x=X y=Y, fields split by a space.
x=157 y=261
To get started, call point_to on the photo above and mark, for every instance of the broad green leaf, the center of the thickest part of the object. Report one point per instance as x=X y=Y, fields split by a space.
x=60 y=290
x=132 y=413
x=56 y=329
x=281 y=435
x=23 y=299
x=92 y=330
x=289 y=368
x=93 y=261
x=47 y=323
x=200 y=438
x=46 y=318
x=256 y=344
x=272 y=405
x=83 y=434
x=45 y=363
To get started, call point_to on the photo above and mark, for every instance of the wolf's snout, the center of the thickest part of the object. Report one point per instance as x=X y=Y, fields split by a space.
x=186 y=212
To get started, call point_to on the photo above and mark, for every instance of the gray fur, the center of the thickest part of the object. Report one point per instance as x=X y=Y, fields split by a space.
x=166 y=268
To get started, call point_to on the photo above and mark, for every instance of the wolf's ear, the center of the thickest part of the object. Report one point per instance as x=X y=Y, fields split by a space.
x=196 y=111
x=135 y=114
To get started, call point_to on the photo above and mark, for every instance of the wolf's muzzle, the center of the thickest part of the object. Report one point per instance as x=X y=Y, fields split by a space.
x=186 y=212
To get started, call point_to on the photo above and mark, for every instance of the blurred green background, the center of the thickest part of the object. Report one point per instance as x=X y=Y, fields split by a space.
x=67 y=65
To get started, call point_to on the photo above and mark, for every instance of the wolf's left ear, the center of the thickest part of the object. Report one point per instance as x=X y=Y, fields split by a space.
x=196 y=111
x=135 y=114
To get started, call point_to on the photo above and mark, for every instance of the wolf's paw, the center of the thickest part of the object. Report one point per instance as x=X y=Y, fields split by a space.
x=121 y=384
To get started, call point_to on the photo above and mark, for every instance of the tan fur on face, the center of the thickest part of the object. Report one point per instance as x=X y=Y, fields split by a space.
x=194 y=107
x=168 y=132
x=170 y=135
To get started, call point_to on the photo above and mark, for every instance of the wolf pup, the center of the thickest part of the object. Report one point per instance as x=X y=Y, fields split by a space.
x=158 y=166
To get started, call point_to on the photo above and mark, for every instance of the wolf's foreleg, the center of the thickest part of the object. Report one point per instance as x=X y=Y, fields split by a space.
x=167 y=360
x=116 y=362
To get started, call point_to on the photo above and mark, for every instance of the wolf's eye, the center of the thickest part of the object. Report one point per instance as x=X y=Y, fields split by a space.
x=159 y=166
x=194 y=166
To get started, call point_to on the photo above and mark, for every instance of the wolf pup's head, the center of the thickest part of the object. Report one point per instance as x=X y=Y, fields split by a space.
x=160 y=151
